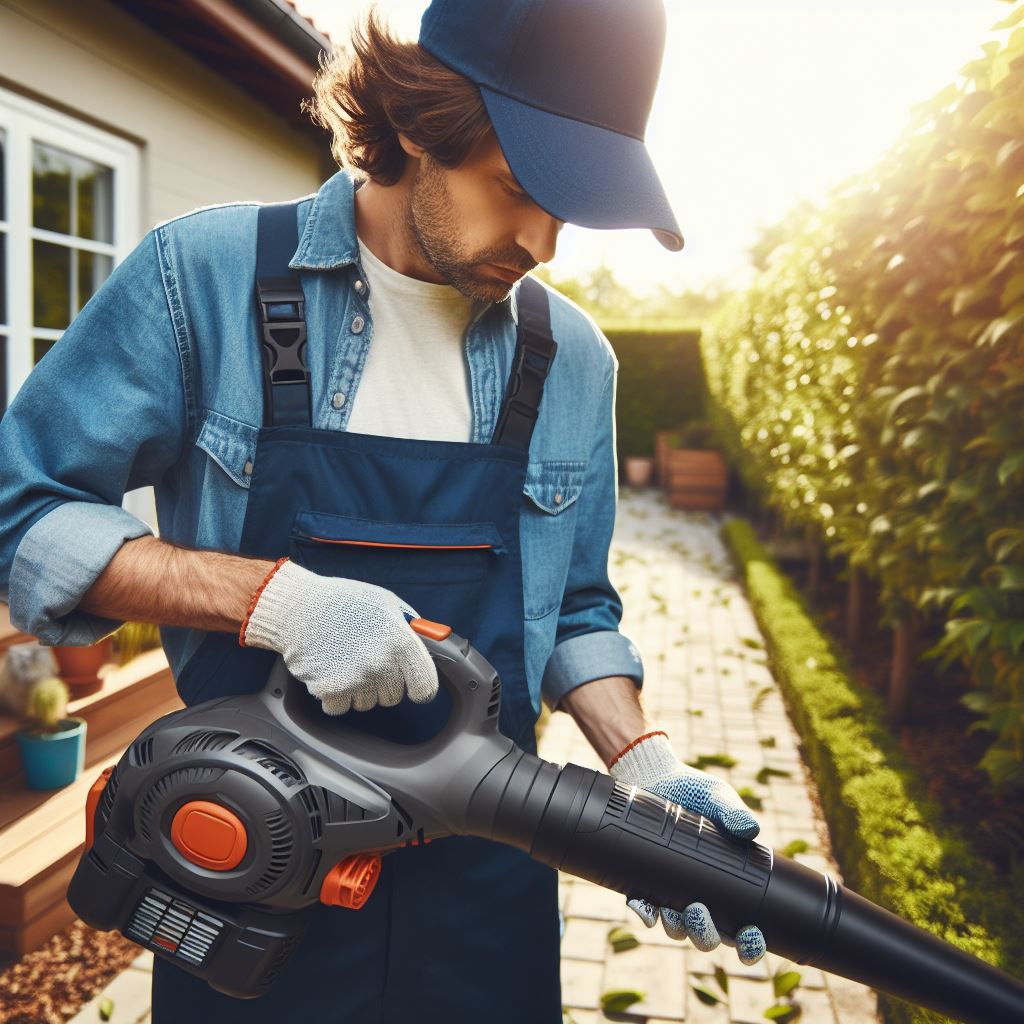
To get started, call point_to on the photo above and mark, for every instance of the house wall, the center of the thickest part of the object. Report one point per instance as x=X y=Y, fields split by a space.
x=202 y=139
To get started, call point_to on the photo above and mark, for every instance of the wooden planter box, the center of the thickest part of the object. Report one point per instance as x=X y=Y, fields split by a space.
x=696 y=479
x=663 y=442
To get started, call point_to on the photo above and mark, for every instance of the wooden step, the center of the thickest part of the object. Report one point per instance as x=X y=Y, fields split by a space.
x=42 y=834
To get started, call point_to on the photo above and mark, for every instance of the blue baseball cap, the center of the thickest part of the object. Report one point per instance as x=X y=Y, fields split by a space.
x=568 y=86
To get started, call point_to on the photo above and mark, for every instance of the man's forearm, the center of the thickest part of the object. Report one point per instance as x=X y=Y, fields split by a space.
x=608 y=712
x=149 y=580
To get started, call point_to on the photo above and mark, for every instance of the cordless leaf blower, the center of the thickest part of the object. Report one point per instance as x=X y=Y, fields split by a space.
x=223 y=825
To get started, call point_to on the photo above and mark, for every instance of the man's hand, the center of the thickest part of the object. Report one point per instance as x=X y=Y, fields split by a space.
x=651 y=764
x=348 y=641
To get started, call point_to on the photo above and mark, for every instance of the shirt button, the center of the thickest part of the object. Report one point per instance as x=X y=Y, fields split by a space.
x=558 y=497
x=358 y=323
x=359 y=287
x=337 y=400
x=247 y=469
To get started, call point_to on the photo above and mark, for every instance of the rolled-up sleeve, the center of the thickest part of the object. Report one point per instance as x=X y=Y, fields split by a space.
x=101 y=414
x=588 y=644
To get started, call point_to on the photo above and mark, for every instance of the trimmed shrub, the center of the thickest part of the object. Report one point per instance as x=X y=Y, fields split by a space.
x=661 y=383
x=889 y=839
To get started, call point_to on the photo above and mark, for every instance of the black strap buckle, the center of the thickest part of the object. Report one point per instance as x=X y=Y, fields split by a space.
x=284 y=340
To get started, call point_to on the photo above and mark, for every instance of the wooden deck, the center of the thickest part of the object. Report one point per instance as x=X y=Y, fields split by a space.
x=42 y=834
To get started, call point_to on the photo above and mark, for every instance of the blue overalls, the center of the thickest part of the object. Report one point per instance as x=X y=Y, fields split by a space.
x=461 y=929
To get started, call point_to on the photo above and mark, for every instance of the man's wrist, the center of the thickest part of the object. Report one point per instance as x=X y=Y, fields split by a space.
x=149 y=580
x=608 y=712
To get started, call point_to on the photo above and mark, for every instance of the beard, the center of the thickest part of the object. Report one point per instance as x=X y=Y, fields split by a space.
x=431 y=223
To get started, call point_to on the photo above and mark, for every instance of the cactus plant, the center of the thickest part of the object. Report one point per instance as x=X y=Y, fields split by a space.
x=47 y=705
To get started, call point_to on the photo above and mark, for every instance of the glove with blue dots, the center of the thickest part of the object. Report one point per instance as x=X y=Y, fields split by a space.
x=651 y=764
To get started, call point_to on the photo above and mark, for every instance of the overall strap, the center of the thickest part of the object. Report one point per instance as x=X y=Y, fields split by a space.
x=282 y=311
x=535 y=351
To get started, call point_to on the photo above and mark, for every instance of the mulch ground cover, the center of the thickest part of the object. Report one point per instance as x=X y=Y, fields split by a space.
x=51 y=984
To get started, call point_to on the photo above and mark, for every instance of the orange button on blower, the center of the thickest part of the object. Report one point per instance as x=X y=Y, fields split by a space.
x=433 y=630
x=209 y=835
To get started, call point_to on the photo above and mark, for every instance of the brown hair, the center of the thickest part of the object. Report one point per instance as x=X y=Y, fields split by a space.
x=384 y=86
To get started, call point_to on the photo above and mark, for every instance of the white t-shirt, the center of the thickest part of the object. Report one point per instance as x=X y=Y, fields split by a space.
x=415 y=381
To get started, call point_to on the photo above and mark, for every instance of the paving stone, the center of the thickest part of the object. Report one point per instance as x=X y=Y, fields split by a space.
x=726 y=958
x=656 y=971
x=748 y=999
x=594 y=901
x=581 y=983
x=130 y=993
x=144 y=961
x=585 y=939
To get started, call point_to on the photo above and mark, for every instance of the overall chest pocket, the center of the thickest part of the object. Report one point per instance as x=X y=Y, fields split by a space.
x=547 y=531
x=438 y=568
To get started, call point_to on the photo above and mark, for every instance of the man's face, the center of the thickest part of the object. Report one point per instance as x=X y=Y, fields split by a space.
x=475 y=226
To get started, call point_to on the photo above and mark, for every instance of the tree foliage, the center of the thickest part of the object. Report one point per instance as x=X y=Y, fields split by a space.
x=871 y=380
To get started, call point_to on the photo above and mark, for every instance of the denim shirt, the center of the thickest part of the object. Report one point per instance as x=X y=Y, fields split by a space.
x=157 y=382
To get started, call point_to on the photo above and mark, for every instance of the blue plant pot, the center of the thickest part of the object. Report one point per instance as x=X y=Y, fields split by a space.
x=53 y=760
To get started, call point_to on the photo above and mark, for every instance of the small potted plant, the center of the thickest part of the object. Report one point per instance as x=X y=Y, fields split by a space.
x=639 y=470
x=52 y=745
x=696 y=473
x=80 y=666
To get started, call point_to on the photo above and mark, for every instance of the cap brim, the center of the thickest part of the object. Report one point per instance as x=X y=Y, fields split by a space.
x=580 y=173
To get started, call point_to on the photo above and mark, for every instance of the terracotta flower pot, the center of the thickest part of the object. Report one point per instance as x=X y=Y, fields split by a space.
x=79 y=666
x=696 y=479
x=639 y=470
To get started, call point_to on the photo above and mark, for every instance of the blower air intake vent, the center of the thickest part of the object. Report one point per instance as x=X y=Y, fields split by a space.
x=492 y=707
x=107 y=796
x=162 y=791
x=171 y=926
x=282 y=843
x=273 y=760
x=316 y=821
x=141 y=752
x=205 y=739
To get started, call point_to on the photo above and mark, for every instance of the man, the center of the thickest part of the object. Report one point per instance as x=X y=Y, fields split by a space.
x=428 y=451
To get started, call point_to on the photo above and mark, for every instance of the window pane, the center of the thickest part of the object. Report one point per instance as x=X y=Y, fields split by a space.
x=40 y=346
x=95 y=202
x=3 y=374
x=93 y=270
x=51 y=189
x=3 y=175
x=51 y=284
x=71 y=195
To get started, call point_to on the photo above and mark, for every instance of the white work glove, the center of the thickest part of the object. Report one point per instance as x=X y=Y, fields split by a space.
x=651 y=764
x=349 y=642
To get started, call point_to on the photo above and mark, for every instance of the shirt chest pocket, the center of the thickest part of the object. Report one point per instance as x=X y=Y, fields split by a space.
x=547 y=528
x=231 y=446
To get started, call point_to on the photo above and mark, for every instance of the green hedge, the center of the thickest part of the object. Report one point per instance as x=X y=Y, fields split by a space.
x=870 y=383
x=661 y=383
x=888 y=838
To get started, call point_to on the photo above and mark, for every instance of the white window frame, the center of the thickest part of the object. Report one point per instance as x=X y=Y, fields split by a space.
x=25 y=121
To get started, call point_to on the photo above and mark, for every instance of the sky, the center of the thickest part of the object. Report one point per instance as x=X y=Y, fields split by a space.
x=760 y=103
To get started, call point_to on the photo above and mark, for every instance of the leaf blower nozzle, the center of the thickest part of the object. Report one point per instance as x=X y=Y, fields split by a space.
x=224 y=824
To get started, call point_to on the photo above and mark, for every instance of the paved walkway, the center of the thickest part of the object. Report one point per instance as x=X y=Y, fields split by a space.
x=707 y=684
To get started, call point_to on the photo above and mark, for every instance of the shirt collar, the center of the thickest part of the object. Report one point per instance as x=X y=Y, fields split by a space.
x=329 y=239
